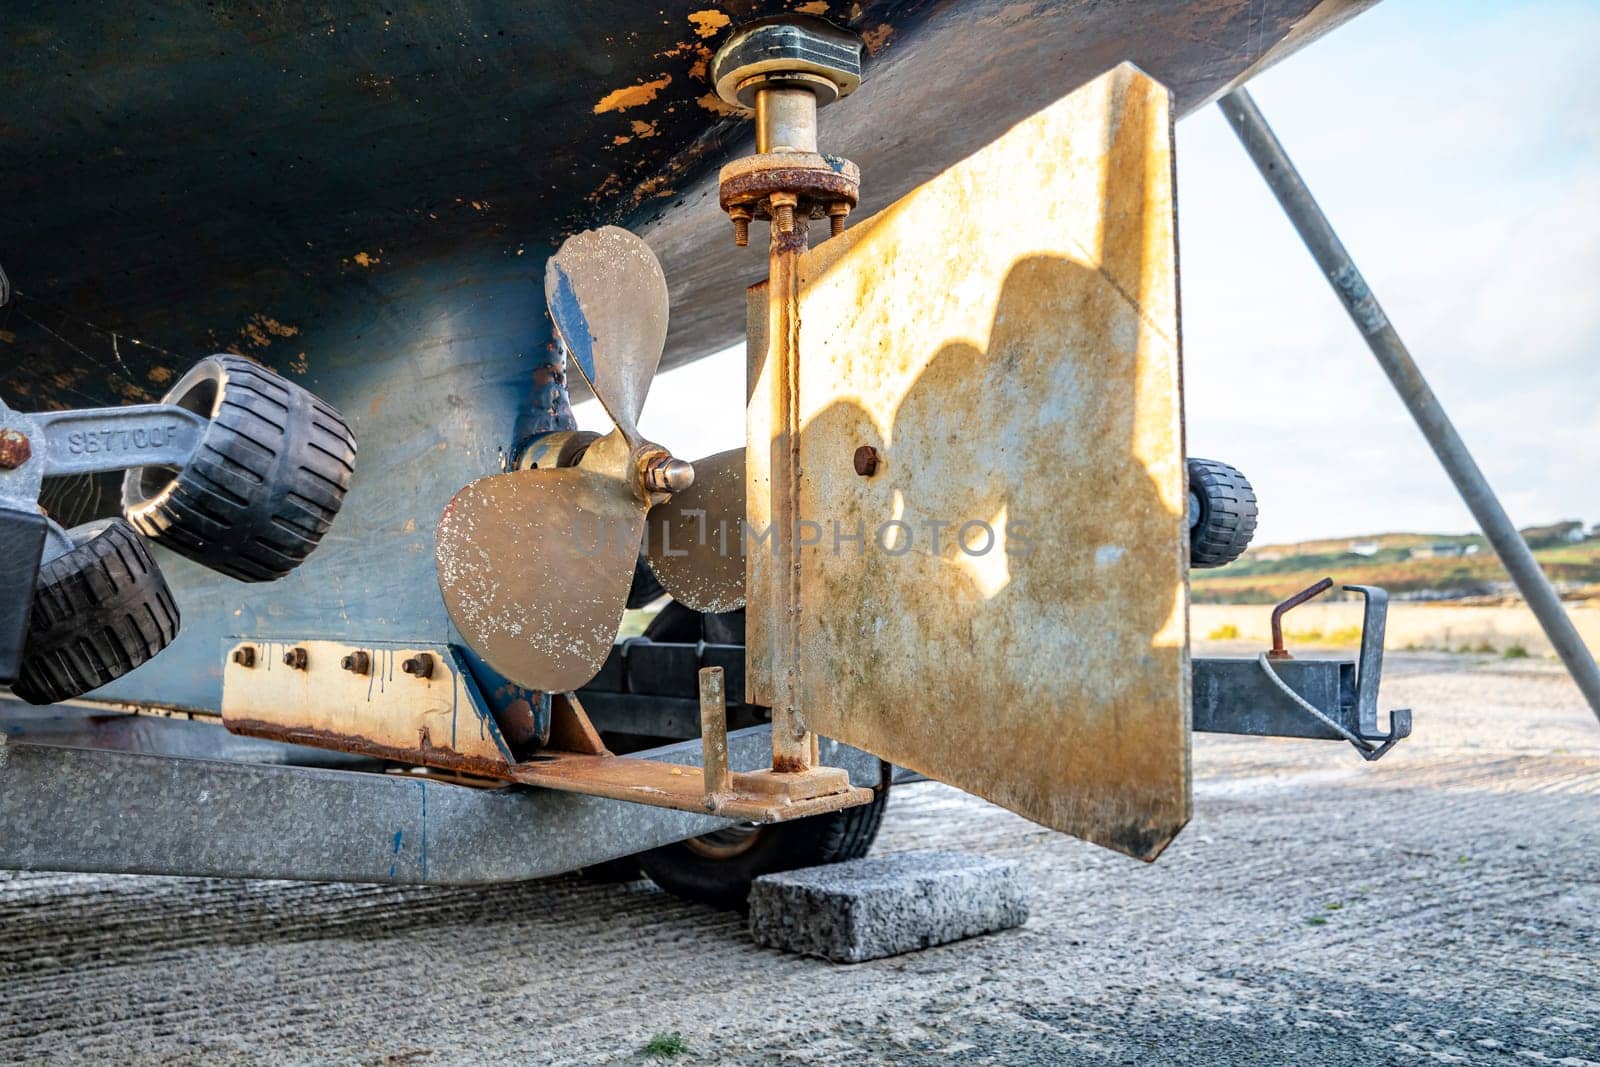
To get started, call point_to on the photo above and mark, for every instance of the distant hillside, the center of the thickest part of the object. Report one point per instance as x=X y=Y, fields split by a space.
x=1412 y=566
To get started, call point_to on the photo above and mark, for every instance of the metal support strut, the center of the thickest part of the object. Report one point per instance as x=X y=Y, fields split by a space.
x=1317 y=233
x=783 y=70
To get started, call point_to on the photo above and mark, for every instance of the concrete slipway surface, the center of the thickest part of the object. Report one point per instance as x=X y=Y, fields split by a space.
x=1442 y=905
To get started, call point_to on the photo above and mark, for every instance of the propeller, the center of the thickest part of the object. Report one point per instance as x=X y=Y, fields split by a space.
x=535 y=565
x=608 y=299
x=694 y=542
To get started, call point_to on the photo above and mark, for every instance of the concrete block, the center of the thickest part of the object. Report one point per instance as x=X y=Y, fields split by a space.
x=882 y=906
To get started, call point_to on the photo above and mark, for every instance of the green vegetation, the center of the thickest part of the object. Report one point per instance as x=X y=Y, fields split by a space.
x=1225 y=632
x=1317 y=920
x=1514 y=652
x=665 y=1046
x=1400 y=563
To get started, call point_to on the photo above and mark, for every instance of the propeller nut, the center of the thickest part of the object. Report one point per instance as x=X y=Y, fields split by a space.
x=669 y=476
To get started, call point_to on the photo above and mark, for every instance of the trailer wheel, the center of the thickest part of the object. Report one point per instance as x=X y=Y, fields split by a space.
x=98 y=612
x=268 y=478
x=717 y=868
x=1222 y=513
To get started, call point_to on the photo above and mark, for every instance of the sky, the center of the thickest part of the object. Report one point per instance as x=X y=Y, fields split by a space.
x=1456 y=148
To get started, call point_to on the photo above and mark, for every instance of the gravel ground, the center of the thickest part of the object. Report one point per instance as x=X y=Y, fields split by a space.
x=1440 y=905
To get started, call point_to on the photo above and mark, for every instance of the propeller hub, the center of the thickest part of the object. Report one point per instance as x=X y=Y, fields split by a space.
x=668 y=475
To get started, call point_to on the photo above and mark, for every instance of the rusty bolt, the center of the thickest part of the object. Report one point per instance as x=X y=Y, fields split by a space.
x=420 y=665
x=866 y=461
x=15 y=449
x=782 y=209
x=836 y=215
x=296 y=658
x=245 y=656
x=357 y=663
x=741 y=225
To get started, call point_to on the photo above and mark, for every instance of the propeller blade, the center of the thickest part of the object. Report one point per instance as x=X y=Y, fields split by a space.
x=696 y=539
x=608 y=299
x=535 y=567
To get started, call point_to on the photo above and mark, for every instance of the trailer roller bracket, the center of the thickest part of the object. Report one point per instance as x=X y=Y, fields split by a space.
x=1277 y=695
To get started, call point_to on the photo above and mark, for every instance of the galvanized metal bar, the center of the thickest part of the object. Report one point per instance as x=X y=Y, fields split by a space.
x=111 y=439
x=1230 y=696
x=1286 y=184
x=89 y=441
x=1374 y=624
x=240 y=820
x=79 y=726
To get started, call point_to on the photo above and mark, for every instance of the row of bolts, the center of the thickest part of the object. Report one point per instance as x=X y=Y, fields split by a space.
x=358 y=662
x=783 y=205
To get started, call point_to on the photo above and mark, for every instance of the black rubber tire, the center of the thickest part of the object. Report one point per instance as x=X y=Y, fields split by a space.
x=98 y=612
x=785 y=846
x=266 y=482
x=1222 y=513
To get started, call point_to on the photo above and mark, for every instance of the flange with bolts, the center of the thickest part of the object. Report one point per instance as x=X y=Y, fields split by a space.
x=782 y=70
